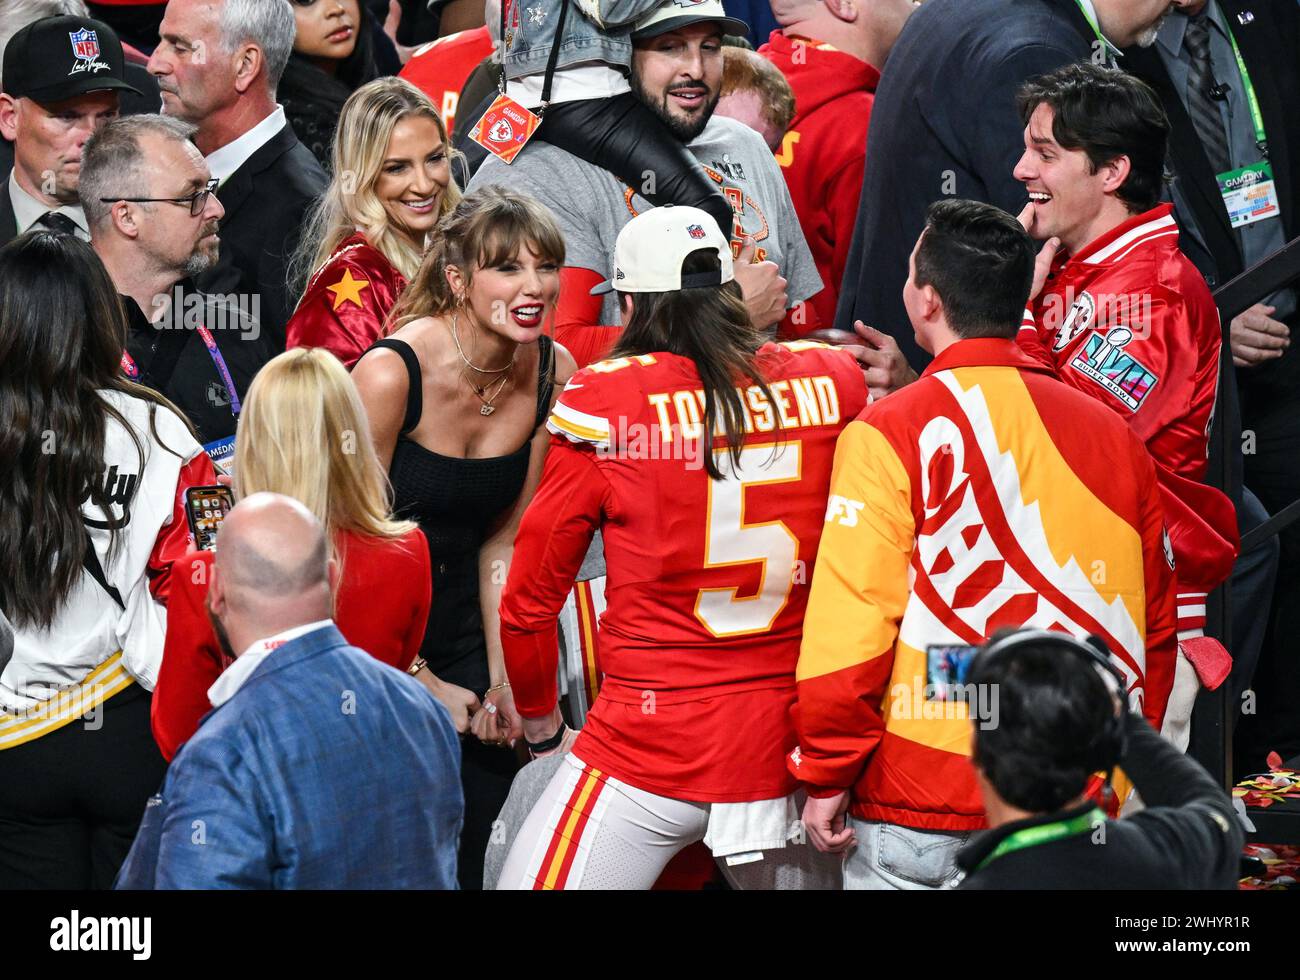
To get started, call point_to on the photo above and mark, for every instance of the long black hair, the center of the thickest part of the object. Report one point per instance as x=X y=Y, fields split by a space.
x=313 y=99
x=62 y=332
x=710 y=325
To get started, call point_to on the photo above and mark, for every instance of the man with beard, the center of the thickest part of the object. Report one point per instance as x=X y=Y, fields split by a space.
x=944 y=124
x=677 y=73
x=153 y=221
x=318 y=767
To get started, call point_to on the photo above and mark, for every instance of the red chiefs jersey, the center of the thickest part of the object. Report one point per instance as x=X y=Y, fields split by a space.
x=1129 y=321
x=346 y=301
x=822 y=155
x=440 y=68
x=707 y=579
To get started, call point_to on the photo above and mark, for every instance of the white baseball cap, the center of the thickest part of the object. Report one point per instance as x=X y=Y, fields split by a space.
x=672 y=14
x=651 y=247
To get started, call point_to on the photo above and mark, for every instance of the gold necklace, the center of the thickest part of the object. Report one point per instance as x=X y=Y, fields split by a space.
x=487 y=408
x=461 y=351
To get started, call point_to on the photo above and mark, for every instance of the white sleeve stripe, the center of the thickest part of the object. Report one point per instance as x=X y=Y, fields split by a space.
x=581 y=420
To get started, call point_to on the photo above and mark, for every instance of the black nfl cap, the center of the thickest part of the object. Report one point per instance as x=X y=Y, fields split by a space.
x=60 y=58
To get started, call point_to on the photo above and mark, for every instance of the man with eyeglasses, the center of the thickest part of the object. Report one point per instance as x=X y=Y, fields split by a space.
x=154 y=217
x=62 y=77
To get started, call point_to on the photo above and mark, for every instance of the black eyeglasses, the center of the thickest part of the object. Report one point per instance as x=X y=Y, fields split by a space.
x=197 y=201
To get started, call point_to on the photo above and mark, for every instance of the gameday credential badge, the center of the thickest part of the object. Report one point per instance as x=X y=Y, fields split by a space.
x=1104 y=360
x=505 y=128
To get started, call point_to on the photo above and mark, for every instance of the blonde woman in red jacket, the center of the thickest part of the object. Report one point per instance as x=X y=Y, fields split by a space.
x=364 y=240
x=303 y=433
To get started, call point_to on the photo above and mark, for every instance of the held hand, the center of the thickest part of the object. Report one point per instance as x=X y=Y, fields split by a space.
x=883 y=364
x=762 y=285
x=498 y=723
x=825 y=821
x=460 y=703
x=1046 y=254
x=1255 y=337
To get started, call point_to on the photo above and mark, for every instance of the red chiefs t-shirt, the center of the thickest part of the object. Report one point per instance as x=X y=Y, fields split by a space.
x=440 y=68
x=707 y=579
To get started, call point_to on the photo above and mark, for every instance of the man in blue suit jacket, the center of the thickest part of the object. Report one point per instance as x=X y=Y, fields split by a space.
x=319 y=767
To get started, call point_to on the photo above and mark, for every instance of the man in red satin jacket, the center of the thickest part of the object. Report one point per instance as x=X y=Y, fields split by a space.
x=1125 y=317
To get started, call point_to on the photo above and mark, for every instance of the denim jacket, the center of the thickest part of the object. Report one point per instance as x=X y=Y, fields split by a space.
x=594 y=30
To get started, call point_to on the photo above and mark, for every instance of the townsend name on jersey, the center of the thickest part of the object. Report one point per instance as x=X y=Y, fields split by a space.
x=797 y=403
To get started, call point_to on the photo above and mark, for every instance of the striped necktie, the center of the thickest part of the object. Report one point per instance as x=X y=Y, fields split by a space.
x=1201 y=104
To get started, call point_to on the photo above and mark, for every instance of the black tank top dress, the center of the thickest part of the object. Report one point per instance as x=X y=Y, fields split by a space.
x=455 y=501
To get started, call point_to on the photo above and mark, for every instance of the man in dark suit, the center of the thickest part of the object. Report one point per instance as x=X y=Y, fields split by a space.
x=224 y=83
x=62 y=78
x=944 y=124
x=1193 y=68
x=318 y=767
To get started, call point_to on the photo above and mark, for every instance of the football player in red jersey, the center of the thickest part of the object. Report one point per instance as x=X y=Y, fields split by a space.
x=709 y=540
x=1122 y=315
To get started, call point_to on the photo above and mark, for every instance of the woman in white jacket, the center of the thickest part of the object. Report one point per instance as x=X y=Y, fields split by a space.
x=94 y=472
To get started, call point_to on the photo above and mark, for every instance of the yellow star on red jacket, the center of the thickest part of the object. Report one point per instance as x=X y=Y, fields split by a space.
x=347 y=289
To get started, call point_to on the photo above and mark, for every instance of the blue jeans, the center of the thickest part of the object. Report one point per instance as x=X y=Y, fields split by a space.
x=889 y=856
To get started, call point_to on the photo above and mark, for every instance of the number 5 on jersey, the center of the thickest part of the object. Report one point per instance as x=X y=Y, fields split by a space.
x=731 y=541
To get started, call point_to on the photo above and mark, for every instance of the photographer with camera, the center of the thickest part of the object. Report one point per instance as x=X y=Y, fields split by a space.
x=1061 y=718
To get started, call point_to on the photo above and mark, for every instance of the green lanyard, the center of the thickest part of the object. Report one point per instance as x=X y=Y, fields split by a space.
x=1256 y=117
x=1092 y=23
x=1031 y=836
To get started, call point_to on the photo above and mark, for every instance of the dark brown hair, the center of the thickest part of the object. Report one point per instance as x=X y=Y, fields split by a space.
x=62 y=332
x=1107 y=113
x=710 y=325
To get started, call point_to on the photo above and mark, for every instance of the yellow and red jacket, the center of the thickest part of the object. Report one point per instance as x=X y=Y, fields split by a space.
x=985 y=495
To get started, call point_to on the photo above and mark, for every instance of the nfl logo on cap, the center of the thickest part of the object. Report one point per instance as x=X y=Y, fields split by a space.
x=85 y=44
x=695 y=231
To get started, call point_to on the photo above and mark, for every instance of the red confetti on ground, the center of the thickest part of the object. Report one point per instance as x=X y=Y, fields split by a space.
x=1282 y=863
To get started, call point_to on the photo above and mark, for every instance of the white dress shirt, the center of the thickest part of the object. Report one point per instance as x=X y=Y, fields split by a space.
x=225 y=160
x=28 y=210
x=232 y=679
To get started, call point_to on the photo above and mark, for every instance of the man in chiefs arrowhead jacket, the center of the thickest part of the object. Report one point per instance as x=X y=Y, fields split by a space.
x=984 y=495
x=1127 y=319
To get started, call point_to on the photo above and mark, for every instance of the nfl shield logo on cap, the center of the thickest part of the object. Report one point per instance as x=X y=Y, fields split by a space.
x=85 y=44
x=695 y=231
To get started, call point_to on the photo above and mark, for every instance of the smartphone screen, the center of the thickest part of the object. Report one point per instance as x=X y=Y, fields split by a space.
x=946 y=667
x=205 y=507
